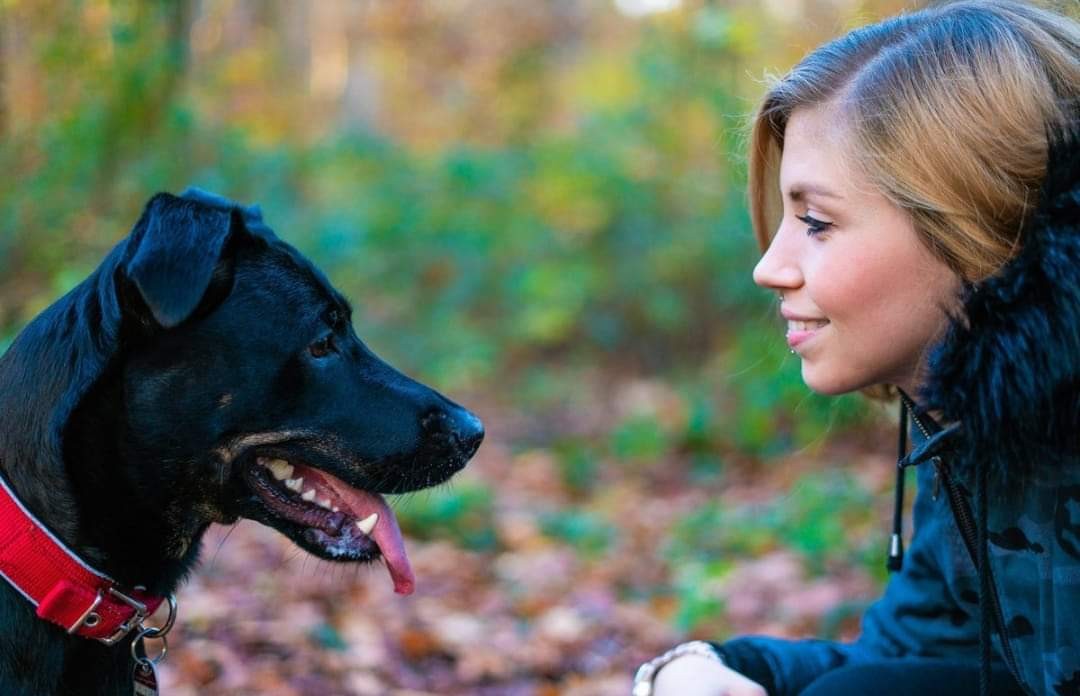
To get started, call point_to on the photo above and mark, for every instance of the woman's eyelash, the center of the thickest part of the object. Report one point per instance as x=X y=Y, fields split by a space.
x=814 y=225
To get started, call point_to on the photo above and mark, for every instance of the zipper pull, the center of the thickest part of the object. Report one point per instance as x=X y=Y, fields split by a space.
x=937 y=479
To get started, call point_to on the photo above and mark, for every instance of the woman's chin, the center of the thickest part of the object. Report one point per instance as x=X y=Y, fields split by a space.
x=827 y=382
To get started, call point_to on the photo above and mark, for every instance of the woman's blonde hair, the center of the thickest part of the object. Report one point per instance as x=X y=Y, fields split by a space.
x=948 y=110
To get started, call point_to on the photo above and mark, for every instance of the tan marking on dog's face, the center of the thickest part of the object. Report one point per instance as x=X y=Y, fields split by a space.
x=228 y=453
x=233 y=449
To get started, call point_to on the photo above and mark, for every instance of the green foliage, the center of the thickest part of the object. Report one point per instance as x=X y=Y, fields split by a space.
x=819 y=518
x=578 y=465
x=462 y=514
x=694 y=586
x=827 y=518
x=639 y=438
x=622 y=236
x=587 y=532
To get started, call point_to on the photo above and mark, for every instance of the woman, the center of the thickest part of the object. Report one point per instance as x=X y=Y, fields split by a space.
x=927 y=244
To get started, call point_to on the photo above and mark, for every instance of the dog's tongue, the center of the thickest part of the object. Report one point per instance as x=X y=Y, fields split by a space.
x=386 y=534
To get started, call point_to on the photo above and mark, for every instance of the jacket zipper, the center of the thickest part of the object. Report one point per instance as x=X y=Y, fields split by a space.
x=962 y=516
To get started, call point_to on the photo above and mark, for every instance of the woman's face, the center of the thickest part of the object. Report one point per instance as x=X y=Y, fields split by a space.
x=863 y=297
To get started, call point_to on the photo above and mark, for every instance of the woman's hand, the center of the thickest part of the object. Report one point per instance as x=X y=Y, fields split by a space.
x=694 y=675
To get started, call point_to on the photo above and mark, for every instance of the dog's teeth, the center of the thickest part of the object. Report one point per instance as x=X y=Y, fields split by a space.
x=280 y=468
x=368 y=523
x=324 y=503
x=309 y=495
x=295 y=484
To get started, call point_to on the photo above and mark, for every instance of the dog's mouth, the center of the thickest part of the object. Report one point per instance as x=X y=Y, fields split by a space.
x=328 y=517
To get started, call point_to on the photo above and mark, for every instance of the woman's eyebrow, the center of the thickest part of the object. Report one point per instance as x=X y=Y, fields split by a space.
x=798 y=191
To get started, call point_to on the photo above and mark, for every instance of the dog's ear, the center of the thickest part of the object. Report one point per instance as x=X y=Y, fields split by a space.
x=173 y=251
x=251 y=214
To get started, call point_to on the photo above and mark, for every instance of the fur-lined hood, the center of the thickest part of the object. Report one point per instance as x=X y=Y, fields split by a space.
x=1006 y=377
x=1008 y=368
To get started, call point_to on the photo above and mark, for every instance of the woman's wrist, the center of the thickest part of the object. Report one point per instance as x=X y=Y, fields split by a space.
x=646 y=673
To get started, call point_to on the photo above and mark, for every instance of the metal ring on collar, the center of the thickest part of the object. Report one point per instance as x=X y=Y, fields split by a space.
x=141 y=659
x=160 y=631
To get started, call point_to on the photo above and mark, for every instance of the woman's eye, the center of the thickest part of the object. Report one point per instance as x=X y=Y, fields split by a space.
x=814 y=226
x=323 y=347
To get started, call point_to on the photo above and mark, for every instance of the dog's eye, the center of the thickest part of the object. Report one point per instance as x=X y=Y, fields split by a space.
x=323 y=347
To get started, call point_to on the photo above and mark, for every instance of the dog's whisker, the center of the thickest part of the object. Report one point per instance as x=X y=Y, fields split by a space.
x=213 y=559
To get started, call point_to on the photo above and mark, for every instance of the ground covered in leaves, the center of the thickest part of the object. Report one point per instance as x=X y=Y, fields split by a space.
x=545 y=568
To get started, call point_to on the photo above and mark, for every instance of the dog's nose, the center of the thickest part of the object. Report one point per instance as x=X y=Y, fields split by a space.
x=470 y=432
x=453 y=424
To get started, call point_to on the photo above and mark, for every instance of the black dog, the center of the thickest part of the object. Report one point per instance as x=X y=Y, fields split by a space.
x=206 y=371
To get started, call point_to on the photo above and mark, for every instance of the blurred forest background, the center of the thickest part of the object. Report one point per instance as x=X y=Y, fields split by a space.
x=536 y=207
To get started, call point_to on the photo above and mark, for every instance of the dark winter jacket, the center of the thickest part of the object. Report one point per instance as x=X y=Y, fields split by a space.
x=998 y=490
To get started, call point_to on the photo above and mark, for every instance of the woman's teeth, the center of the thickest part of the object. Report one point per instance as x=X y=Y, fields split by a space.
x=793 y=326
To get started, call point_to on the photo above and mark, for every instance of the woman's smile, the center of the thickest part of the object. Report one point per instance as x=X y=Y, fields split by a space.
x=801 y=329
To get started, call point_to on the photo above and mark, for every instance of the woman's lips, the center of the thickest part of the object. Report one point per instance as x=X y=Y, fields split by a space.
x=801 y=332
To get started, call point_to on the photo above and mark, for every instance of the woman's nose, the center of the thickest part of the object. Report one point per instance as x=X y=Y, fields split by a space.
x=778 y=268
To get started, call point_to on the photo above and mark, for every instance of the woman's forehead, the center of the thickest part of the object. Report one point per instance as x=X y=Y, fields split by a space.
x=817 y=157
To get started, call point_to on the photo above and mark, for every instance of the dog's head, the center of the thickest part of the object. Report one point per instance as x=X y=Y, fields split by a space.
x=233 y=385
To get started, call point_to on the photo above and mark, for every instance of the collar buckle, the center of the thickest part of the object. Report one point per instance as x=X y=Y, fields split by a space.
x=136 y=619
x=90 y=618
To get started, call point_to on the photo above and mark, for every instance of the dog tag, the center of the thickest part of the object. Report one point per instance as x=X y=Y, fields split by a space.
x=145 y=679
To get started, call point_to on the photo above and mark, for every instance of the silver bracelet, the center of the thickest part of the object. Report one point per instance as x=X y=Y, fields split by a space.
x=646 y=673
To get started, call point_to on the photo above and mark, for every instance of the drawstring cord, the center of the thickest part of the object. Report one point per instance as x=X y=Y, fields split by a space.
x=985 y=617
x=895 y=560
x=982 y=552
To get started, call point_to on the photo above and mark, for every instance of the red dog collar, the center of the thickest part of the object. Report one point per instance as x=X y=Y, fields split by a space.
x=65 y=590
